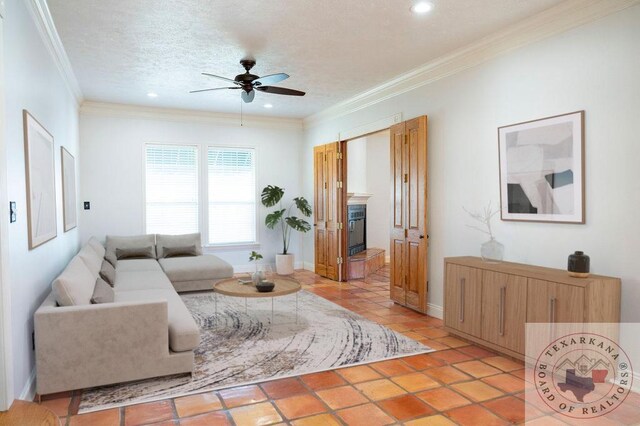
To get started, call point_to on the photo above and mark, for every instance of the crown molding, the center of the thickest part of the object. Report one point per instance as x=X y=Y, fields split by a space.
x=558 y=19
x=185 y=115
x=44 y=22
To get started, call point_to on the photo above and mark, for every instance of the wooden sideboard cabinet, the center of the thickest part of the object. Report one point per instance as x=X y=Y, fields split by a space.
x=490 y=303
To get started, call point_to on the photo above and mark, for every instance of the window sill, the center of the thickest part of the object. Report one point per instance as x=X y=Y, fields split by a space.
x=230 y=247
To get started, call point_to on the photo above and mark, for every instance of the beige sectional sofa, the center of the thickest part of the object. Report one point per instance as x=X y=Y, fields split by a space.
x=146 y=331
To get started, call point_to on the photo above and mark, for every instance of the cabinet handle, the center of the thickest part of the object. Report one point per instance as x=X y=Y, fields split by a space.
x=503 y=295
x=462 y=285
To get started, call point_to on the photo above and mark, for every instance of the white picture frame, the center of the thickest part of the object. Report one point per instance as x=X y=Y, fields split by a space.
x=40 y=180
x=542 y=170
x=69 y=207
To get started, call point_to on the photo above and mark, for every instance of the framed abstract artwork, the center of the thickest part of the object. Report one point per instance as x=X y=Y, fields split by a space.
x=69 y=210
x=542 y=169
x=41 y=187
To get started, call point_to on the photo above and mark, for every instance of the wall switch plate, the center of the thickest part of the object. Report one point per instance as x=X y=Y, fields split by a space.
x=12 y=212
x=87 y=205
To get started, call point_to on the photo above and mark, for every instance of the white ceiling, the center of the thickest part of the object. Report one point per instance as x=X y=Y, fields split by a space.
x=332 y=49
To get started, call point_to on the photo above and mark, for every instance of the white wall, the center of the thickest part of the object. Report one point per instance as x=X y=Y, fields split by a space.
x=357 y=165
x=379 y=186
x=593 y=67
x=112 y=142
x=33 y=82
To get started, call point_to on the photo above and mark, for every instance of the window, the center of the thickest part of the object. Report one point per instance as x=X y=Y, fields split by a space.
x=171 y=189
x=231 y=195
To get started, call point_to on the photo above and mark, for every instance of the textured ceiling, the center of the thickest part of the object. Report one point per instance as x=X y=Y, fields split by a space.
x=332 y=49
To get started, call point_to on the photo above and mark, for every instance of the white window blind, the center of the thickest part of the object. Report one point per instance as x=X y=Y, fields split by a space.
x=232 y=195
x=171 y=189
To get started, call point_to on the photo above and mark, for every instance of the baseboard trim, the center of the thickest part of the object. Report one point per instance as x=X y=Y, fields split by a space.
x=29 y=391
x=435 y=311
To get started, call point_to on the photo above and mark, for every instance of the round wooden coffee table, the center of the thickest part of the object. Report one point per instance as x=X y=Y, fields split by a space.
x=234 y=288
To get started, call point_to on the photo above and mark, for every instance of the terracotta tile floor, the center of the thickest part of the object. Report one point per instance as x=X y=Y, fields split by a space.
x=460 y=383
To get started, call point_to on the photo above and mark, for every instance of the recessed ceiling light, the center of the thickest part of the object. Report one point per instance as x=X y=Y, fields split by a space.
x=152 y=95
x=268 y=106
x=422 y=7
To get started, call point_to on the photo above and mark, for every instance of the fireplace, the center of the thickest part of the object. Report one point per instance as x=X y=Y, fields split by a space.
x=357 y=220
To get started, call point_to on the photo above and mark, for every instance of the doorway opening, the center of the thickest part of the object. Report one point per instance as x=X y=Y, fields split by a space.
x=368 y=202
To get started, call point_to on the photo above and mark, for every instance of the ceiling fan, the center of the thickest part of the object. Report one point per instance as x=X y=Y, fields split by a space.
x=249 y=83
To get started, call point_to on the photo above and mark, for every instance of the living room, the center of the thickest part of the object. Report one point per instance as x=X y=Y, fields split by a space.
x=73 y=67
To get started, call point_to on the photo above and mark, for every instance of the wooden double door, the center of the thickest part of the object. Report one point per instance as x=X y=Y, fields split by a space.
x=408 y=246
x=328 y=209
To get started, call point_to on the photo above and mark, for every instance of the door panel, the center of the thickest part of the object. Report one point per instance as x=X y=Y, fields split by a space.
x=503 y=319
x=333 y=210
x=319 y=195
x=416 y=211
x=397 y=245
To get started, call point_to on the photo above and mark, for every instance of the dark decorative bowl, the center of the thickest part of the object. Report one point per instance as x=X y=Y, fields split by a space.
x=265 y=286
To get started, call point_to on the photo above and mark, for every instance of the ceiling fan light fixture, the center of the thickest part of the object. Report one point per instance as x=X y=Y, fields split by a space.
x=422 y=7
x=152 y=94
x=268 y=106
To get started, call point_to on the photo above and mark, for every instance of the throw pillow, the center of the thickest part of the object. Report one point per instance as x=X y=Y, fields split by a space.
x=102 y=292
x=135 y=253
x=108 y=272
x=180 y=251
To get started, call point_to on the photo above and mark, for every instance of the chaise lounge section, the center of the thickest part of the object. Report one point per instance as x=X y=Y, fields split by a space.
x=145 y=331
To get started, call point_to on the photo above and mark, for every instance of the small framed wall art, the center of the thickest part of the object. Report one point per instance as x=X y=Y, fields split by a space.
x=69 y=208
x=41 y=187
x=542 y=169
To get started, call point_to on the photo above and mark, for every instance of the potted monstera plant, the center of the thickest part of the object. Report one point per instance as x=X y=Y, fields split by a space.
x=284 y=217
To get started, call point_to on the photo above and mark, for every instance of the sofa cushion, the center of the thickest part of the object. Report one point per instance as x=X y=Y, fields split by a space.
x=147 y=252
x=141 y=280
x=74 y=286
x=138 y=265
x=102 y=292
x=91 y=259
x=184 y=334
x=108 y=273
x=114 y=242
x=96 y=246
x=205 y=267
x=179 y=251
x=184 y=240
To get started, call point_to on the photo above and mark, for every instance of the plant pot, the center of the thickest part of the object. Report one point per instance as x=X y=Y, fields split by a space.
x=284 y=264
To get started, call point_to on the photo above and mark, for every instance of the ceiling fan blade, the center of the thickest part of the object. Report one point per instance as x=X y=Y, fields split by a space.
x=270 y=79
x=248 y=97
x=280 y=91
x=215 y=88
x=220 y=78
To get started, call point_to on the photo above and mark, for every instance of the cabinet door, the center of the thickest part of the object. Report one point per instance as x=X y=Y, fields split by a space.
x=462 y=309
x=503 y=316
x=554 y=302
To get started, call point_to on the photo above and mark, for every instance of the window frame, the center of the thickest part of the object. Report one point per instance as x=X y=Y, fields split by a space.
x=203 y=191
x=205 y=186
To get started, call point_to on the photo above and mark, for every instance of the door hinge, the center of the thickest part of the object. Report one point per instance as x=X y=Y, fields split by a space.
x=340 y=226
x=325 y=185
x=339 y=260
x=339 y=186
x=339 y=156
x=406 y=177
x=406 y=233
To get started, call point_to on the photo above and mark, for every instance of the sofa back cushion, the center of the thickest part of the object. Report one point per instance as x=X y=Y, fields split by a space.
x=97 y=246
x=91 y=259
x=134 y=242
x=102 y=292
x=178 y=241
x=74 y=286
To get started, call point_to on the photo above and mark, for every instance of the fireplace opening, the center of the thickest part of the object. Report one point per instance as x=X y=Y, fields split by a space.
x=357 y=220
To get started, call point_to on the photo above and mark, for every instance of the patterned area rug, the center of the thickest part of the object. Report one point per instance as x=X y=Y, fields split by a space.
x=299 y=334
